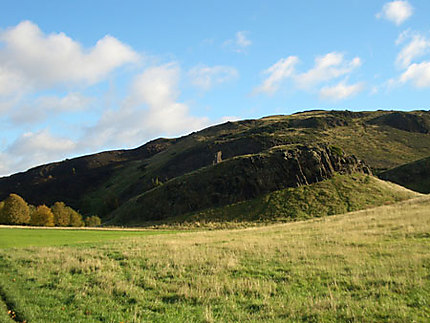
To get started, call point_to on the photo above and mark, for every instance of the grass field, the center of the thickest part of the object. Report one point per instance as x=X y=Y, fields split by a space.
x=371 y=265
x=34 y=237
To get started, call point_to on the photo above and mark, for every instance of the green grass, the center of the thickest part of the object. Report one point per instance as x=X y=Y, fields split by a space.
x=371 y=265
x=19 y=238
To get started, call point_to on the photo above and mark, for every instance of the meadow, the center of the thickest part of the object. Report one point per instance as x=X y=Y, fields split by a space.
x=370 y=265
x=46 y=237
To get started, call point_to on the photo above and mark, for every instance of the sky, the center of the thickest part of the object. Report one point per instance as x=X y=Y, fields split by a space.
x=80 y=77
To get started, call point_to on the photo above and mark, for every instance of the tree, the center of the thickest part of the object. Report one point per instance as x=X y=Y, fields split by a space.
x=42 y=216
x=15 y=210
x=75 y=219
x=92 y=221
x=2 y=220
x=61 y=214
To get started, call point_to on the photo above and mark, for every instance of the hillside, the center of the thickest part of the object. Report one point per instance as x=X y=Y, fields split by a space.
x=340 y=194
x=415 y=175
x=228 y=163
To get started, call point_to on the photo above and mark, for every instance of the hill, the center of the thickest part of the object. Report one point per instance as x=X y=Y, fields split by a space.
x=337 y=195
x=228 y=163
x=415 y=175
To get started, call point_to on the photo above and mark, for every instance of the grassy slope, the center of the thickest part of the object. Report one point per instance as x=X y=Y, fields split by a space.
x=415 y=175
x=342 y=193
x=371 y=265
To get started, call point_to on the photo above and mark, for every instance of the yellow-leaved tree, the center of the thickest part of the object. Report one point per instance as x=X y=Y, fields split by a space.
x=92 y=221
x=61 y=214
x=42 y=216
x=15 y=210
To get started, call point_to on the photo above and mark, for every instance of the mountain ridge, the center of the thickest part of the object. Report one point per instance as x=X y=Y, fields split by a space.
x=102 y=183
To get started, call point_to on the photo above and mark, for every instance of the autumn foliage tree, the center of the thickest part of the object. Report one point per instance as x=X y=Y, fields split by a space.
x=92 y=221
x=1 y=212
x=42 y=216
x=15 y=210
x=61 y=214
x=76 y=219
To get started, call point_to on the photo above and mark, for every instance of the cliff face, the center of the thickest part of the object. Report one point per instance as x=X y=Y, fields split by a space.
x=239 y=179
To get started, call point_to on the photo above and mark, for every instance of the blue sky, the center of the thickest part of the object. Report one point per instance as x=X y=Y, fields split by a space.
x=79 y=77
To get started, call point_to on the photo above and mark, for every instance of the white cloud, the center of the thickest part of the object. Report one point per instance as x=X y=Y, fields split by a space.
x=418 y=74
x=6 y=164
x=30 y=59
x=239 y=43
x=151 y=109
x=278 y=72
x=340 y=91
x=35 y=148
x=327 y=67
x=241 y=39
x=418 y=46
x=46 y=107
x=205 y=77
x=414 y=71
x=396 y=11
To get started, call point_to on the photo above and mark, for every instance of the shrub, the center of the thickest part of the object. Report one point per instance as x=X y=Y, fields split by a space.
x=15 y=210
x=42 y=216
x=76 y=219
x=1 y=212
x=61 y=214
x=93 y=221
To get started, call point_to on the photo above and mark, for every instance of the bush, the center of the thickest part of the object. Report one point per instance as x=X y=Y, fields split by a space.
x=75 y=219
x=61 y=214
x=15 y=210
x=93 y=221
x=1 y=212
x=42 y=216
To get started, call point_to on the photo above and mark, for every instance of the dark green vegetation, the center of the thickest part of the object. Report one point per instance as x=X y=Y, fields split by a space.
x=367 y=266
x=226 y=164
x=34 y=237
x=415 y=175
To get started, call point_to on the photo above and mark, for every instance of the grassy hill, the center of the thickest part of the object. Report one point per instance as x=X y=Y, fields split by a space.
x=109 y=183
x=365 y=266
x=415 y=175
x=339 y=194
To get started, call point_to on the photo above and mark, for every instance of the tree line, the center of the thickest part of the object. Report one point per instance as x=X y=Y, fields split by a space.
x=15 y=210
